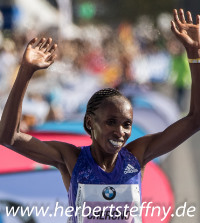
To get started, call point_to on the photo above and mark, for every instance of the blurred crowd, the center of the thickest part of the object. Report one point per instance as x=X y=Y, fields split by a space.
x=94 y=57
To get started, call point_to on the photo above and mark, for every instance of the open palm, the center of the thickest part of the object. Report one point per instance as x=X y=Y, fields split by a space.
x=40 y=55
x=186 y=31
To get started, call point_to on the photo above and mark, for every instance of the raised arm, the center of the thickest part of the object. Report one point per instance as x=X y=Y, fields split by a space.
x=33 y=59
x=38 y=55
x=151 y=146
x=189 y=34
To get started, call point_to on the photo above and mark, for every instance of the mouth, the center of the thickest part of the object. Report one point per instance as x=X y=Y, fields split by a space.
x=116 y=143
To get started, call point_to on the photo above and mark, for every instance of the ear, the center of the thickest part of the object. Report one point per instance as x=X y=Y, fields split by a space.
x=88 y=122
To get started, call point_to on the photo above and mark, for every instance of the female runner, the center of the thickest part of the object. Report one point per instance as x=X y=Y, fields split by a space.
x=108 y=167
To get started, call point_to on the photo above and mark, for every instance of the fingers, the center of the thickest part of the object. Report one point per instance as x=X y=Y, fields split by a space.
x=179 y=19
x=51 y=59
x=174 y=29
x=45 y=45
x=182 y=16
x=50 y=52
x=52 y=49
x=189 y=17
x=31 y=43
x=40 y=43
x=198 y=19
x=176 y=18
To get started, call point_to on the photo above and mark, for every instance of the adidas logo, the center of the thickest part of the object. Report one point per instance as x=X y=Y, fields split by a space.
x=130 y=169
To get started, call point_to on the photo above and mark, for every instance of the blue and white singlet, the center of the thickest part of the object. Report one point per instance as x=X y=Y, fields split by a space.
x=90 y=186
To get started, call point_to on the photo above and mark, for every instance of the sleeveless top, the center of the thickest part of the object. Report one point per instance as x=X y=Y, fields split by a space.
x=86 y=171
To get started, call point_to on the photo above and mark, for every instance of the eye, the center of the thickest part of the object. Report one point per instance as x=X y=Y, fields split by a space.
x=111 y=122
x=127 y=125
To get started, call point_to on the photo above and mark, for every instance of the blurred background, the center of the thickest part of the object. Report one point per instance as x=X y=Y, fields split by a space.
x=127 y=45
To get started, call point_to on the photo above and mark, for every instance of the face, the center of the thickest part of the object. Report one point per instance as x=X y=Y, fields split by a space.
x=111 y=125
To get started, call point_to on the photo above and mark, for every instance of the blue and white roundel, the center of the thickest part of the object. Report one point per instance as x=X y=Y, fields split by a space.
x=109 y=193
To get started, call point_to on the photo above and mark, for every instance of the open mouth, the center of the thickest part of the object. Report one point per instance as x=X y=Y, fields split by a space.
x=116 y=143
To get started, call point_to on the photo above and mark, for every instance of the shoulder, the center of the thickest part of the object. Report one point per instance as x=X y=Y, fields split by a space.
x=128 y=156
x=138 y=148
x=68 y=151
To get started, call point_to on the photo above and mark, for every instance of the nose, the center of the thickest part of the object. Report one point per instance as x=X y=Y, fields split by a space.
x=119 y=131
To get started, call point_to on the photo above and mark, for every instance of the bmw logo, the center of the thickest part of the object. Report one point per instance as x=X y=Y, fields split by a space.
x=109 y=193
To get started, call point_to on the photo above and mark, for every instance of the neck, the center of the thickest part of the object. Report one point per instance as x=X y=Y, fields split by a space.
x=104 y=160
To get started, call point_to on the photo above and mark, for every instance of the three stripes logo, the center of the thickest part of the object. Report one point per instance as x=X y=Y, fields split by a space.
x=130 y=169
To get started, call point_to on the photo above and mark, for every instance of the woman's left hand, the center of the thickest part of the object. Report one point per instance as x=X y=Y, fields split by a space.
x=187 y=32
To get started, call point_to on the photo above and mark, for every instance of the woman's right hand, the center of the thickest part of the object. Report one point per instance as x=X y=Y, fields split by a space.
x=39 y=55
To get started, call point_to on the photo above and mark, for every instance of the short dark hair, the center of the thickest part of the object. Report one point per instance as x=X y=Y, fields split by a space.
x=96 y=100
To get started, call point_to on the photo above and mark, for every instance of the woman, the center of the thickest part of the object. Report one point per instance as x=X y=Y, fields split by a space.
x=108 y=120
